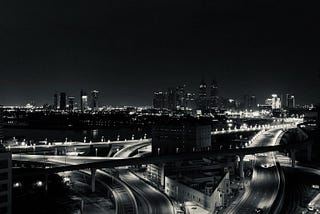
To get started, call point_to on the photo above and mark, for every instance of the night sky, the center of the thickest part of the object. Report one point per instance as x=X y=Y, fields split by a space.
x=128 y=49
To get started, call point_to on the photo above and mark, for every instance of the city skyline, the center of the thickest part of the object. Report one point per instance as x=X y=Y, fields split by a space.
x=128 y=50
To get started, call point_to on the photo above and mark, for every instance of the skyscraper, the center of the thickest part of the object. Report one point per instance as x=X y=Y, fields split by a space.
x=202 y=98
x=214 y=99
x=159 y=100
x=94 y=99
x=55 y=101
x=84 y=102
x=71 y=103
x=1 y=124
x=63 y=101
x=172 y=98
x=81 y=104
x=181 y=96
x=274 y=101
x=291 y=102
x=249 y=102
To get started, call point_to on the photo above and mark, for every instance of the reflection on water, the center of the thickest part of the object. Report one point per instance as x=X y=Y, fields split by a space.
x=73 y=135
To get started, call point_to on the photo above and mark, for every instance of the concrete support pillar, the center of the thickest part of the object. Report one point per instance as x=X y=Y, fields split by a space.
x=241 y=170
x=46 y=183
x=309 y=152
x=93 y=179
x=293 y=157
x=162 y=174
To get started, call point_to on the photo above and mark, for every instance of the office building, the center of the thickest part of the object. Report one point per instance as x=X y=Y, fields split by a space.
x=71 y=103
x=214 y=99
x=202 y=98
x=249 y=102
x=274 y=102
x=289 y=101
x=94 y=99
x=181 y=97
x=55 y=101
x=172 y=98
x=1 y=125
x=190 y=101
x=63 y=101
x=5 y=181
x=180 y=135
x=81 y=104
x=159 y=100
x=84 y=102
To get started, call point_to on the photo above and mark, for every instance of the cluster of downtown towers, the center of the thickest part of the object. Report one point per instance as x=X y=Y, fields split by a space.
x=63 y=102
x=208 y=99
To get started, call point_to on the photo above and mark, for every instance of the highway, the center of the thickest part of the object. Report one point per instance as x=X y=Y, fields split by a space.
x=16 y=148
x=129 y=150
x=124 y=198
x=151 y=200
x=263 y=188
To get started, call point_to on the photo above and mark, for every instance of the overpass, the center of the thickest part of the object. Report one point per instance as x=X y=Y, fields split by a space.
x=254 y=128
x=80 y=163
x=71 y=145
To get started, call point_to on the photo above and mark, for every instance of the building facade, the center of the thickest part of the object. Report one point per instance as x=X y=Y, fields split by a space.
x=159 y=100
x=210 y=196
x=180 y=135
x=5 y=182
x=94 y=99
x=63 y=101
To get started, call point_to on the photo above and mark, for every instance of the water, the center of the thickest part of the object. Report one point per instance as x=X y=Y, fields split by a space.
x=72 y=135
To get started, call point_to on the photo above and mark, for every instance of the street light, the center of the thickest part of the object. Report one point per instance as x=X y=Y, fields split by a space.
x=96 y=152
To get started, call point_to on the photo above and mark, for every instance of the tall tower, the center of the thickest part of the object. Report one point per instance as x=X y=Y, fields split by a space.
x=214 y=99
x=81 y=103
x=203 y=89
x=71 y=103
x=181 y=96
x=63 y=101
x=172 y=98
x=1 y=125
x=94 y=99
x=55 y=101
x=202 y=98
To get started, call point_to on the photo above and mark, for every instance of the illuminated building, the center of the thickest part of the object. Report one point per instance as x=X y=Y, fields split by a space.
x=214 y=99
x=201 y=189
x=84 y=102
x=1 y=124
x=179 y=135
x=249 y=102
x=202 y=98
x=71 y=103
x=94 y=99
x=274 y=101
x=190 y=101
x=159 y=100
x=55 y=101
x=5 y=181
x=172 y=98
x=289 y=101
x=63 y=101
x=180 y=97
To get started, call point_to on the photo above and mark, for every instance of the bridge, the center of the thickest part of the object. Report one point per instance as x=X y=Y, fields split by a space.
x=80 y=163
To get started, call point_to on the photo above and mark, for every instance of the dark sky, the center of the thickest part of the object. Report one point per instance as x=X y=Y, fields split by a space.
x=128 y=49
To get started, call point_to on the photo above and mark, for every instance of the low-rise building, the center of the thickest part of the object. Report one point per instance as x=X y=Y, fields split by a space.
x=206 y=190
